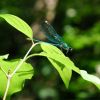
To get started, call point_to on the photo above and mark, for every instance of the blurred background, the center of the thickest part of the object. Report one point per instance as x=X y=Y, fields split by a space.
x=78 y=22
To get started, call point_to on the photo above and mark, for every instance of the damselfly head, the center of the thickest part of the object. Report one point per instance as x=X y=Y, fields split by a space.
x=70 y=49
x=66 y=47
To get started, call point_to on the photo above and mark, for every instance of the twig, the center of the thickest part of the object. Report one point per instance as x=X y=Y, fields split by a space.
x=21 y=62
x=7 y=87
x=9 y=76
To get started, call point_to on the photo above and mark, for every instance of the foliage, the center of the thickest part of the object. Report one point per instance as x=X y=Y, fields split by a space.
x=62 y=63
x=17 y=82
x=78 y=22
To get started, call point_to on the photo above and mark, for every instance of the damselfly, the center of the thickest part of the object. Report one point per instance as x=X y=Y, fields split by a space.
x=53 y=37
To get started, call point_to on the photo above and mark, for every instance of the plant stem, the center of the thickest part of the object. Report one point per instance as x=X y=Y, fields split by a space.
x=21 y=62
x=9 y=76
x=7 y=87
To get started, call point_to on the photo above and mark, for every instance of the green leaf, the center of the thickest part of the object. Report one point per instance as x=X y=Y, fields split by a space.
x=58 y=60
x=48 y=48
x=91 y=78
x=17 y=81
x=4 y=56
x=64 y=65
x=64 y=72
x=18 y=23
x=53 y=52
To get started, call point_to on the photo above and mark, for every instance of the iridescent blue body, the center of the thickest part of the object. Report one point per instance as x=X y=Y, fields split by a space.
x=53 y=37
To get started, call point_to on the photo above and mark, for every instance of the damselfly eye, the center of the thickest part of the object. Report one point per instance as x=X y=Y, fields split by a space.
x=70 y=49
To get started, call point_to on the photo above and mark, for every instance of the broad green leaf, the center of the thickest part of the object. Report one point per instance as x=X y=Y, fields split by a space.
x=47 y=47
x=64 y=72
x=58 y=60
x=88 y=77
x=91 y=78
x=17 y=81
x=64 y=65
x=18 y=23
x=54 y=53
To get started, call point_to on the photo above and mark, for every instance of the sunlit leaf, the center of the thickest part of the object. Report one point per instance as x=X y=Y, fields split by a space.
x=4 y=56
x=18 y=80
x=91 y=78
x=64 y=72
x=54 y=53
x=57 y=59
x=64 y=65
x=18 y=23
